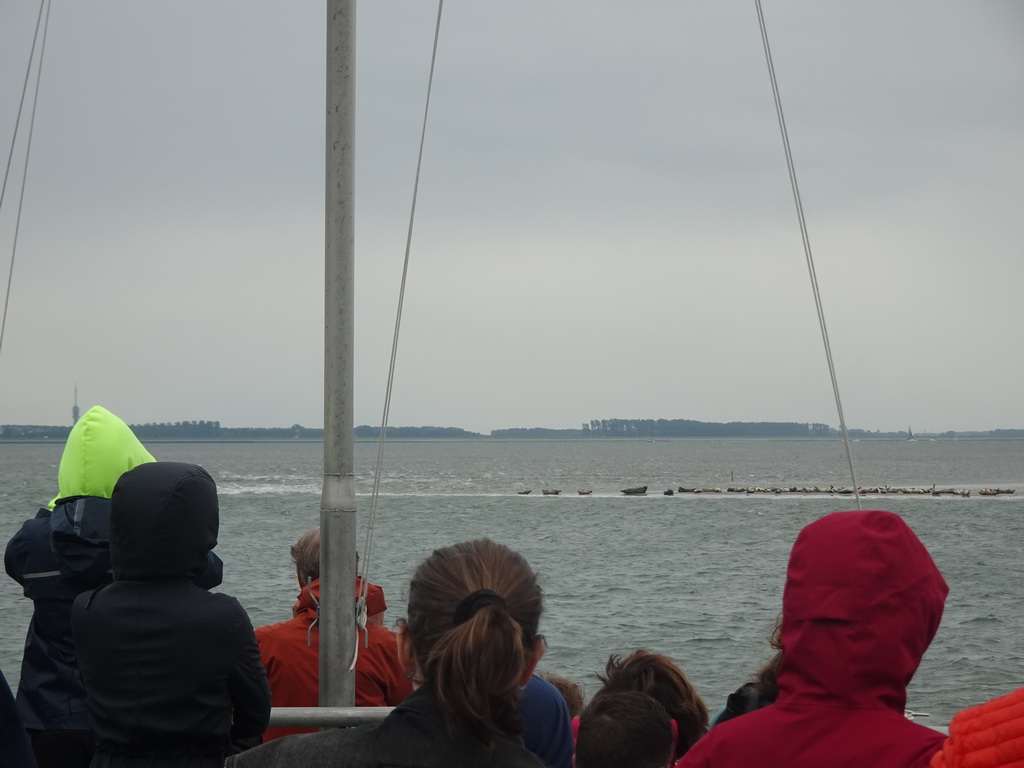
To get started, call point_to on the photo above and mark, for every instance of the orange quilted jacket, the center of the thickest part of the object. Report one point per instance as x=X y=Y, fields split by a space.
x=990 y=735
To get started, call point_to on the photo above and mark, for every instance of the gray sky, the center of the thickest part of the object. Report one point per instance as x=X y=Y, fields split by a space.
x=604 y=228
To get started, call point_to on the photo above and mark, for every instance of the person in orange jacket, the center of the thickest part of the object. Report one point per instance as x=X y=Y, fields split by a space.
x=990 y=735
x=290 y=650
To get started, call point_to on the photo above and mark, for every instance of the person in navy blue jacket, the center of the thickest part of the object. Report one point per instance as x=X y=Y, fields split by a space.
x=547 y=727
x=15 y=750
x=60 y=553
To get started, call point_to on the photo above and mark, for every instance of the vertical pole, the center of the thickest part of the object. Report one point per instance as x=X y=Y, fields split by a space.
x=338 y=500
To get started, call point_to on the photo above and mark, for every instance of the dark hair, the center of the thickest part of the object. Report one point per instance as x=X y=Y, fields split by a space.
x=475 y=667
x=570 y=690
x=765 y=679
x=659 y=677
x=624 y=728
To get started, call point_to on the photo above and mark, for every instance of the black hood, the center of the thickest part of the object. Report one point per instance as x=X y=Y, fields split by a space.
x=163 y=521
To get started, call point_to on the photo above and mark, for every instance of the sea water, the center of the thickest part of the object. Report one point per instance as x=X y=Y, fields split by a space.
x=695 y=576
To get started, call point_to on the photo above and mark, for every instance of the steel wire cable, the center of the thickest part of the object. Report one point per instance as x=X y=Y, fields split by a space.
x=375 y=495
x=28 y=151
x=807 y=247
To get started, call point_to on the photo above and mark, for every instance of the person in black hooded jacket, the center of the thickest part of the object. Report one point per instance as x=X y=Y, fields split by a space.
x=172 y=672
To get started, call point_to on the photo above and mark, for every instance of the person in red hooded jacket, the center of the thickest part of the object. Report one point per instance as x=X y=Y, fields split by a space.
x=862 y=602
x=290 y=651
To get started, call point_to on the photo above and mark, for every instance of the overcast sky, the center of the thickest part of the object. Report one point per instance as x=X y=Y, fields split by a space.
x=604 y=229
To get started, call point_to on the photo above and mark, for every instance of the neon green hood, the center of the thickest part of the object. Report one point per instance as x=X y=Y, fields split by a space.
x=99 y=450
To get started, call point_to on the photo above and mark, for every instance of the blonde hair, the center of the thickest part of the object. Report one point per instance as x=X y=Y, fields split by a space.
x=571 y=692
x=306 y=555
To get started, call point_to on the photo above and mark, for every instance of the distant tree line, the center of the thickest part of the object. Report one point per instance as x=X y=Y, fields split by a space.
x=422 y=432
x=205 y=430
x=997 y=433
x=180 y=430
x=534 y=433
x=212 y=430
x=33 y=432
x=651 y=429
x=184 y=429
x=665 y=428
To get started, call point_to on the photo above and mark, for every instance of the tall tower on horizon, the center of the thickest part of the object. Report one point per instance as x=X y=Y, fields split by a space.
x=74 y=408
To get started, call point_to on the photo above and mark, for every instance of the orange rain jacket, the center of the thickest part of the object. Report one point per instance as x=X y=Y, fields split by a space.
x=291 y=656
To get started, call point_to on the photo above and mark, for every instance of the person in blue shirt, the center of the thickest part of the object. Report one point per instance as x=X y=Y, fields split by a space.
x=547 y=727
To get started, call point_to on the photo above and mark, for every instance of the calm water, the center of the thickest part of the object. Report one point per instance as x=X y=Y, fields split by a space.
x=698 y=577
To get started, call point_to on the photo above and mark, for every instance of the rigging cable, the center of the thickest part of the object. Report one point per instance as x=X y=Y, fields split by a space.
x=375 y=495
x=28 y=150
x=807 y=246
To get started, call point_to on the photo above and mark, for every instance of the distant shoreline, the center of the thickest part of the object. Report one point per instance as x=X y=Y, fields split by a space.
x=649 y=430
x=59 y=441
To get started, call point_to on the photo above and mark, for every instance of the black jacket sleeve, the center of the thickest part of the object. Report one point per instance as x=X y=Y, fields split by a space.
x=247 y=683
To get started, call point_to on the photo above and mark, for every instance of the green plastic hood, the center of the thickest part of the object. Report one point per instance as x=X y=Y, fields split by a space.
x=99 y=450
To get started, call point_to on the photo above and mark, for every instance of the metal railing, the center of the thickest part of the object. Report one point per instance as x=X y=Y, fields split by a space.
x=349 y=717
x=326 y=717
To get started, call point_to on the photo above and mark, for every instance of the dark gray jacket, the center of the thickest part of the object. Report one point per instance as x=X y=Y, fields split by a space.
x=412 y=736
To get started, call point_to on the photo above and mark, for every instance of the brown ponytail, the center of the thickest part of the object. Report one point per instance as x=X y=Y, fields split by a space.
x=475 y=664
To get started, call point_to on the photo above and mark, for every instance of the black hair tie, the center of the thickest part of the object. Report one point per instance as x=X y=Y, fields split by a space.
x=473 y=602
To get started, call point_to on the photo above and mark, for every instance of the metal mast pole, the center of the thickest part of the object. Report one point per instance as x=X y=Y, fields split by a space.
x=338 y=500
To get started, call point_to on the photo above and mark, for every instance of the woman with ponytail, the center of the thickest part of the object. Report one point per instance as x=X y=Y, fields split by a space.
x=469 y=645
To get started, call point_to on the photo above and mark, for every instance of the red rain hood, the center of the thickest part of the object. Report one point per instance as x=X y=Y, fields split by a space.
x=862 y=602
x=307 y=605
